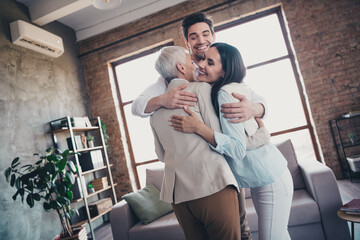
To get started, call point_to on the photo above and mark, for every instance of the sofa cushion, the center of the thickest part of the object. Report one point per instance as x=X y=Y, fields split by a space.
x=162 y=228
x=146 y=204
x=304 y=210
x=155 y=177
x=287 y=149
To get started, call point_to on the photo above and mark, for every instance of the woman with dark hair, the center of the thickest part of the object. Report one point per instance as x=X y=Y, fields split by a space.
x=263 y=169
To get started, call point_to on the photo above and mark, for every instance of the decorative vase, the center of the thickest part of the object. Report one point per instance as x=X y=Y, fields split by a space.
x=91 y=144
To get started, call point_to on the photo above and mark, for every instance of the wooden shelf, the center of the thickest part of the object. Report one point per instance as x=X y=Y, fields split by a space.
x=95 y=170
x=72 y=133
x=93 y=194
x=88 y=149
x=75 y=129
x=100 y=191
x=85 y=222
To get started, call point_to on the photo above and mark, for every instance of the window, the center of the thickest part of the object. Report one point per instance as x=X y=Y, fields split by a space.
x=263 y=42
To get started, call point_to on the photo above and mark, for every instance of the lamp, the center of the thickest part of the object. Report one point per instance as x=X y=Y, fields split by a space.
x=106 y=4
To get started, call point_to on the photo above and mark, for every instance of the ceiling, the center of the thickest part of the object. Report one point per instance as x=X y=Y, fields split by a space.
x=86 y=20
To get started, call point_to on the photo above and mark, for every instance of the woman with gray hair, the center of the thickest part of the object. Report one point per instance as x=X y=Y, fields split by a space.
x=197 y=181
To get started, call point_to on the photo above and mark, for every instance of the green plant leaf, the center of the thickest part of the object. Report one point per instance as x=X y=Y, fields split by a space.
x=65 y=154
x=30 y=186
x=55 y=204
x=63 y=200
x=30 y=200
x=46 y=206
x=70 y=177
x=15 y=195
x=69 y=195
x=22 y=192
x=50 y=167
x=7 y=173
x=18 y=183
x=27 y=166
x=72 y=167
x=12 y=181
x=36 y=196
x=61 y=188
x=39 y=162
x=14 y=162
x=61 y=164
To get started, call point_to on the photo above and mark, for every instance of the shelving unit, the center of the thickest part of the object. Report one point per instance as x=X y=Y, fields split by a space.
x=340 y=129
x=57 y=127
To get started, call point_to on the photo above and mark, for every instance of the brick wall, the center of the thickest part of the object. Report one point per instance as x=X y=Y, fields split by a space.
x=325 y=35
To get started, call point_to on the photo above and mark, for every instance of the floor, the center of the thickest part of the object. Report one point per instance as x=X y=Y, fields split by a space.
x=348 y=191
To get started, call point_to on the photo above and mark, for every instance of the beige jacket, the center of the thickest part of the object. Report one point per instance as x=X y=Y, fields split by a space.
x=192 y=169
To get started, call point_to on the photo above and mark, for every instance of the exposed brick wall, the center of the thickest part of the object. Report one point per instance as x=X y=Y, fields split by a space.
x=325 y=35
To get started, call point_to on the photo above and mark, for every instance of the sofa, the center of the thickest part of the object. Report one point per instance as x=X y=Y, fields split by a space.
x=313 y=214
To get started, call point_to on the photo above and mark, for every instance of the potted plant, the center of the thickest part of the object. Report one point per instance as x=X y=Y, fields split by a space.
x=48 y=180
x=90 y=140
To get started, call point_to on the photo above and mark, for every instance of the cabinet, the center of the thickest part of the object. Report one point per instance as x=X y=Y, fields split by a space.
x=92 y=163
x=346 y=136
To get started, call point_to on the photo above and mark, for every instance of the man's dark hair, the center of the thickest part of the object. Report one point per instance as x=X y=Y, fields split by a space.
x=196 y=18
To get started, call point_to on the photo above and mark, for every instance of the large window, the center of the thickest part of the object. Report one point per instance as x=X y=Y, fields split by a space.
x=265 y=46
x=272 y=73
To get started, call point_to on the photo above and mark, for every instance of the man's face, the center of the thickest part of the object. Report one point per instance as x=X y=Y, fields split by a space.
x=189 y=69
x=199 y=40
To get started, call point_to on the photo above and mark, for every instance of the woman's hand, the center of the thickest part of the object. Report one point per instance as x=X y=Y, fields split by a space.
x=185 y=124
x=259 y=122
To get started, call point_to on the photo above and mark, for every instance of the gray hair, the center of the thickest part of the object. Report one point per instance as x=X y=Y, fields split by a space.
x=168 y=59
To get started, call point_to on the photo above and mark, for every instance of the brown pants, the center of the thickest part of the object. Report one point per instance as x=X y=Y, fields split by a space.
x=245 y=229
x=215 y=217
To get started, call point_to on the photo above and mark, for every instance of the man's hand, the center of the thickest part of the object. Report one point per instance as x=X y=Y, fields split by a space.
x=241 y=111
x=176 y=98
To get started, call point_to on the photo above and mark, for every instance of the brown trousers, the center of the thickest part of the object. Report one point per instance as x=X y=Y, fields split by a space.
x=215 y=217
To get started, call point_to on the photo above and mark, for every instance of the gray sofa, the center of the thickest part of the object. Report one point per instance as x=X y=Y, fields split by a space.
x=313 y=212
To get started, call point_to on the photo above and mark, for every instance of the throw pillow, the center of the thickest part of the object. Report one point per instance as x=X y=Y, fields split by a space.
x=146 y=204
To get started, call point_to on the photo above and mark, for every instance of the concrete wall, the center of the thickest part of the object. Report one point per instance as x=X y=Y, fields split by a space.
x=34 y=89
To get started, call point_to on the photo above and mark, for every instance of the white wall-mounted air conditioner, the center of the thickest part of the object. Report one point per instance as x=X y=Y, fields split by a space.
x=29 y=36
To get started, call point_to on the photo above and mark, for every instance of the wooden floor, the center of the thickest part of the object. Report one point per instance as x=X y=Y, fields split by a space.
x=348 y=191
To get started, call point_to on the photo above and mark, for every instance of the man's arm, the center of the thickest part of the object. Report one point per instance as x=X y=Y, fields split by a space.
x=155 y=97
x=244 y=110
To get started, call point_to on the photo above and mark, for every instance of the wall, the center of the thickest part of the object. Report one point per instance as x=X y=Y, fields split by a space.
x=34 y=89
x=325 y=36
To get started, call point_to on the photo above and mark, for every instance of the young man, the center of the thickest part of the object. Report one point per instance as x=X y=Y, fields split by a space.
x=197 y=180
x=198 y=30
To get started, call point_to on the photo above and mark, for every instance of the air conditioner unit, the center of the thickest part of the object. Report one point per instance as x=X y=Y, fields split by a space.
x=29 y=36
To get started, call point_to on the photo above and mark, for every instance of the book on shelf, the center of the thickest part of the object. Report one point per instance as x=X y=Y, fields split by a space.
x=77 y=189
x=100 y=183
x=87 y=121
x=352 y=207
x=91 y=160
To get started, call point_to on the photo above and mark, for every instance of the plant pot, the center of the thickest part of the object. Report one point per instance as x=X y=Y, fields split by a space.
x=91 y=144
x=79 y=234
